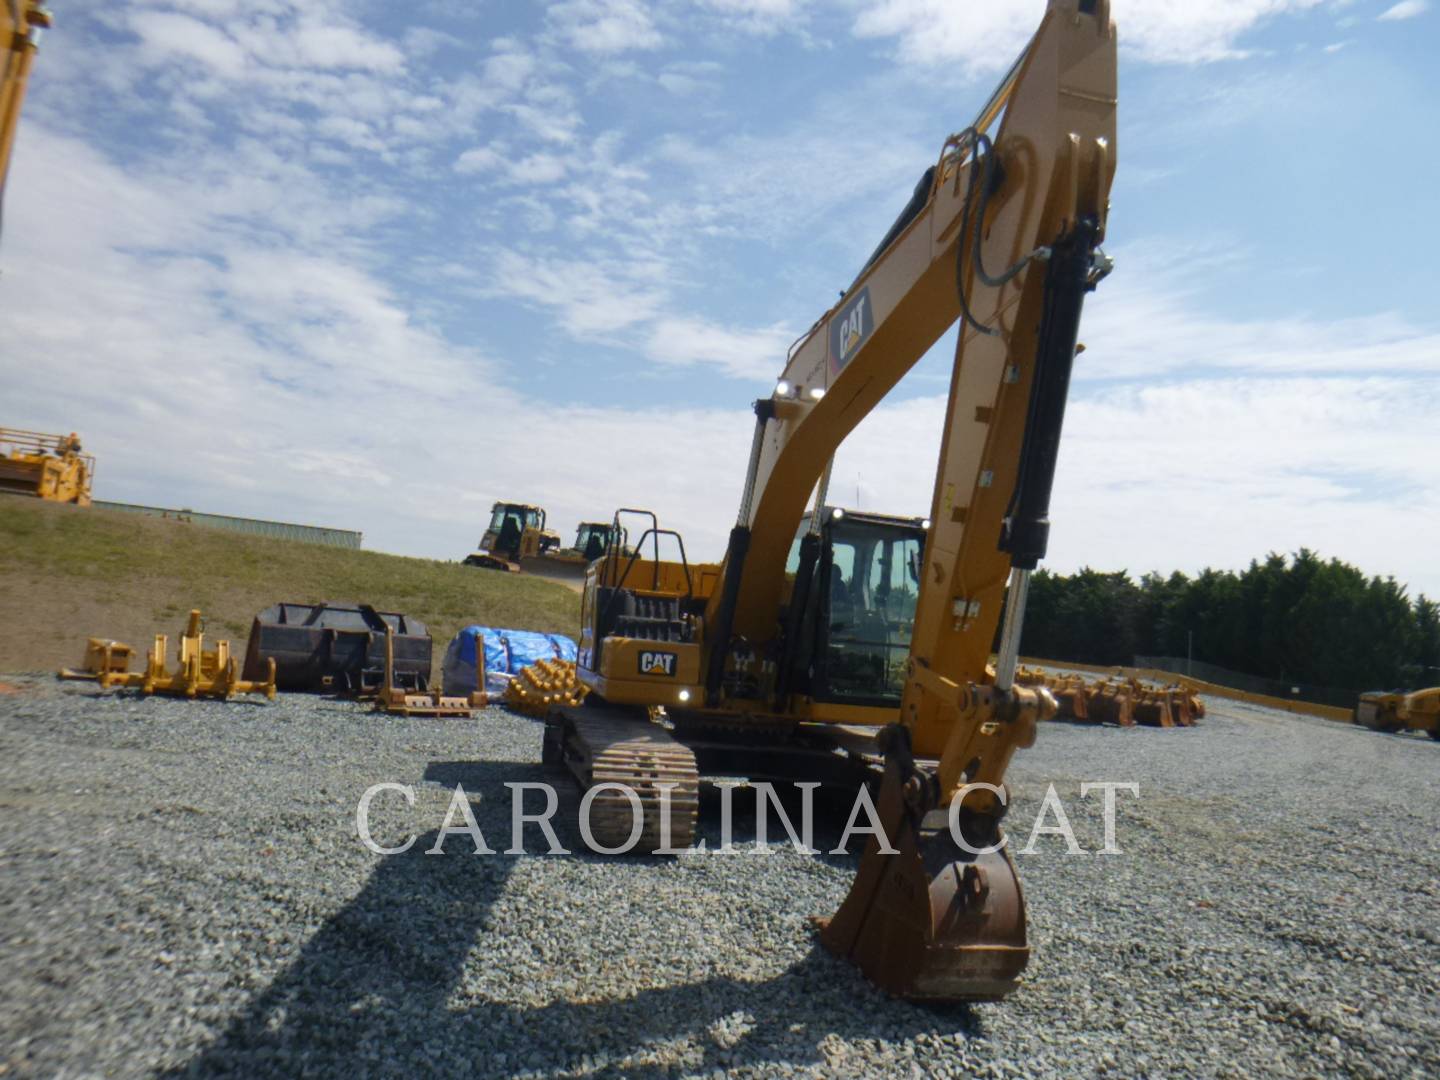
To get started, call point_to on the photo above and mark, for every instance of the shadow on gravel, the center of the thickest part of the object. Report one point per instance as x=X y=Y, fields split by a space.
x=373 y=991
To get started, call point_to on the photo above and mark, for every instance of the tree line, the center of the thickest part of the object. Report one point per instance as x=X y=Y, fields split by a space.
x=1302 y=619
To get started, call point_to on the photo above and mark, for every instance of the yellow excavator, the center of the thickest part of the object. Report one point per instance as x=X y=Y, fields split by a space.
x=21 y=23
x=866 y=641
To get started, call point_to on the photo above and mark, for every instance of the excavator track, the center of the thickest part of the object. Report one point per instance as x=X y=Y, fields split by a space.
x=600 y=745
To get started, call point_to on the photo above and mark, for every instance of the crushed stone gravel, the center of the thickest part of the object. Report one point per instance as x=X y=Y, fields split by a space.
x=183 y=892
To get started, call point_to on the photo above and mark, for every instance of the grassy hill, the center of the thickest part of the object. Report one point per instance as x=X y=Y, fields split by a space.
x=70 y=573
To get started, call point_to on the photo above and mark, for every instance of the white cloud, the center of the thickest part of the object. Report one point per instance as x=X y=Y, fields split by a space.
x=588 y=298
x=763 y=17
x=166 y=36
x=1406 y=9
x=286 y=381
x=538 y=169
x=478 y=160
x=329 y=46
x=1208 y=472
x=986 y=37
x=1143 y=323
x=604 y=26
x=741 y=354
x=690 y=77
x=529 y=169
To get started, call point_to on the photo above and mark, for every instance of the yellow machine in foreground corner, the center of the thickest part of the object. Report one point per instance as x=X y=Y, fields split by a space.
x=1399 y=711
x=870 y=638
x=48 y=466
x=21 y=23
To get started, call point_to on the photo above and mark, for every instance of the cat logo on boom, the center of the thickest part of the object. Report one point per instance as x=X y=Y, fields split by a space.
x=849 y=329
x=658 y=663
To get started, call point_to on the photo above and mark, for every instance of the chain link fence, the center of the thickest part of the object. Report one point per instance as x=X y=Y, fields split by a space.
x=1253 y=684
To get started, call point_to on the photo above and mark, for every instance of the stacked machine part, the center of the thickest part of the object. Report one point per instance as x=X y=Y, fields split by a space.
x=1117 y=700
x=544 y=685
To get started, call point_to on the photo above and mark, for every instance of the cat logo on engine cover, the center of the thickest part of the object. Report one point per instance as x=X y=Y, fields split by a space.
x=658 y=663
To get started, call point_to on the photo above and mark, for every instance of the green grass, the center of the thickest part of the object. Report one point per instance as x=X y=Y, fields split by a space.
x=69 y=573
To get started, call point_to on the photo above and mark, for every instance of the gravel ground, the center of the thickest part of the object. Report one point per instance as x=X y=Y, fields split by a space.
x=182 y=891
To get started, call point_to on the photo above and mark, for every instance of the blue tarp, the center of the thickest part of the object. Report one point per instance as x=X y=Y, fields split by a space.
x=505 y=653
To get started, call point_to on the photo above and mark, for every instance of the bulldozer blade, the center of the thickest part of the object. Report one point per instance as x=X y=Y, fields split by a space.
x=553 y=568
x=931 y=922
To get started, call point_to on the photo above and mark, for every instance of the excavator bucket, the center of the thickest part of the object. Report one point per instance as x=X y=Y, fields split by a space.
x=930 y=922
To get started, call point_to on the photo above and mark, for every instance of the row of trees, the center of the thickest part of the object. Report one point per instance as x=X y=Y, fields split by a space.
x=1301 y=619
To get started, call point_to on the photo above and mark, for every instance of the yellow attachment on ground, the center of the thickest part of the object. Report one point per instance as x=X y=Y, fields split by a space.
x=200 y=672
x=394 y=699
x=543 y=685
x=102 y=657
x=46 y=466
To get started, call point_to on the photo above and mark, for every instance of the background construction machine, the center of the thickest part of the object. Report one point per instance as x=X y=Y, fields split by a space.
x=516 y=531
x=870 y=639
x=518 y=541
x=1396 y=710
x=47 y=466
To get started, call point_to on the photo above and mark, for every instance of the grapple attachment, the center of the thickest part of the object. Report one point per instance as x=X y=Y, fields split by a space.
x=932 y=921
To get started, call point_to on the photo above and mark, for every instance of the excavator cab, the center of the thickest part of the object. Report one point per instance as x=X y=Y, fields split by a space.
x=862 y=584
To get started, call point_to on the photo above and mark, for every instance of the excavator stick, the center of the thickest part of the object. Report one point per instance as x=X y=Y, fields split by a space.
x=930 y=921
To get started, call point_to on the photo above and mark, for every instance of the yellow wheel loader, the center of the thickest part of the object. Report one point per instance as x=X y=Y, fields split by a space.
x=863 y=647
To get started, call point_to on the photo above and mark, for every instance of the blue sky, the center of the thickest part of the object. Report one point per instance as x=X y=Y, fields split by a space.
x=374 y=265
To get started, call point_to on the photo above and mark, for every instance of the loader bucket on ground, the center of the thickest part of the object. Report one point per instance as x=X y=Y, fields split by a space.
x=931 y=922
x=337 y=648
